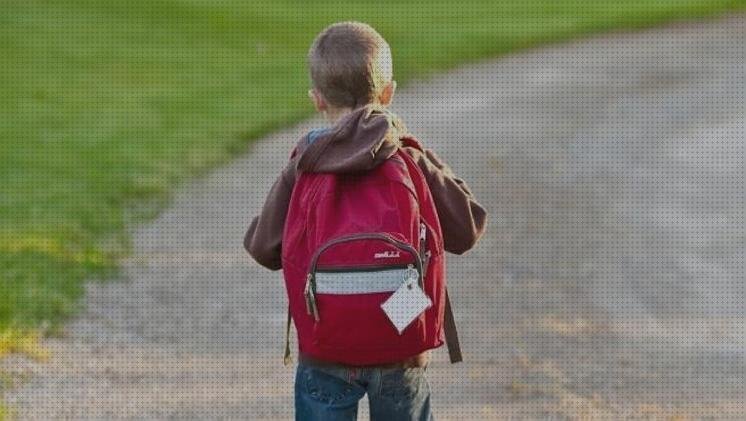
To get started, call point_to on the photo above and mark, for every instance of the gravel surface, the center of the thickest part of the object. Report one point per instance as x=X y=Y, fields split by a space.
x=609 y=283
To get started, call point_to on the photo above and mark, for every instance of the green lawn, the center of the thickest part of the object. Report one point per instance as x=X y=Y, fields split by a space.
x=107 y=105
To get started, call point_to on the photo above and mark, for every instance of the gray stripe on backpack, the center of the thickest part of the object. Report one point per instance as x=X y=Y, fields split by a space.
x=360 y=282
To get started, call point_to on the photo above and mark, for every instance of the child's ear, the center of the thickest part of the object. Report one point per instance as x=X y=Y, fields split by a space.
x=387 y=93
x=318 y=101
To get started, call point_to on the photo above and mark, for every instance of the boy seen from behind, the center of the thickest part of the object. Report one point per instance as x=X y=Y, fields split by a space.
x=358 y=220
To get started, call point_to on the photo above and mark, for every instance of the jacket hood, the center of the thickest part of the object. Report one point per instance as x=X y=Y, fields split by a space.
x=360 y=141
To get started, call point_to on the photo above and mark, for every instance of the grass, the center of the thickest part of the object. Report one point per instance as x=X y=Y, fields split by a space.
x=23 y=342
x=5 y=412
x=107 y=105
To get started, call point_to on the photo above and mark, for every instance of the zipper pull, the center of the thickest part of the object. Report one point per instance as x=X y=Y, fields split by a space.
x=314 y=308
x=425 y=262
x=423 y=240
x=307 y=293
x=424 y=254
x=311 y=307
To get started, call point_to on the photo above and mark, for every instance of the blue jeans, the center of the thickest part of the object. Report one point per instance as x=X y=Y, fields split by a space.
x=332 y=393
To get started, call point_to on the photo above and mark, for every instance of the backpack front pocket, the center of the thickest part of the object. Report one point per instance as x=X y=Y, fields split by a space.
x=345 y=297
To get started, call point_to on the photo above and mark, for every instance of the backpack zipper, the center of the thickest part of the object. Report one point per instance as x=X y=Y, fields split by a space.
x=360 y=268
x=362 y=236
x=310 y=287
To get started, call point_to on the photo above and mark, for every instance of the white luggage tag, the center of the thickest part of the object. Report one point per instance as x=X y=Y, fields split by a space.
x=406 y=303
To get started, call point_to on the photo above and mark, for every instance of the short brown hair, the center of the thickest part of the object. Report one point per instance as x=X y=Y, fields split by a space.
x=349 y=62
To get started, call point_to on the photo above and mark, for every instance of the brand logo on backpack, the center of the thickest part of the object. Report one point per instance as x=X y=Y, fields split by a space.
x=386 y=254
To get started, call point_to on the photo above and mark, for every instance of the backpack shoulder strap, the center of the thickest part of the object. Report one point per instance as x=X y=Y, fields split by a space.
x=287 y=359
x=411 y=141
x=449 y=326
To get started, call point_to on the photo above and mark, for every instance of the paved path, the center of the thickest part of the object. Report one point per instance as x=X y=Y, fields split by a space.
x=610 y=282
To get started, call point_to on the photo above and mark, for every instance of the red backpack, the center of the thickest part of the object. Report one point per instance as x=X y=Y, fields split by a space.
x=350 y=241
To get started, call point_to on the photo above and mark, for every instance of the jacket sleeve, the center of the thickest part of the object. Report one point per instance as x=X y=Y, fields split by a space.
x=462 y=218
x=263 y=240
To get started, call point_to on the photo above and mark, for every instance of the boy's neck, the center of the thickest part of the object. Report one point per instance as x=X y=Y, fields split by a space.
x=334 y=115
